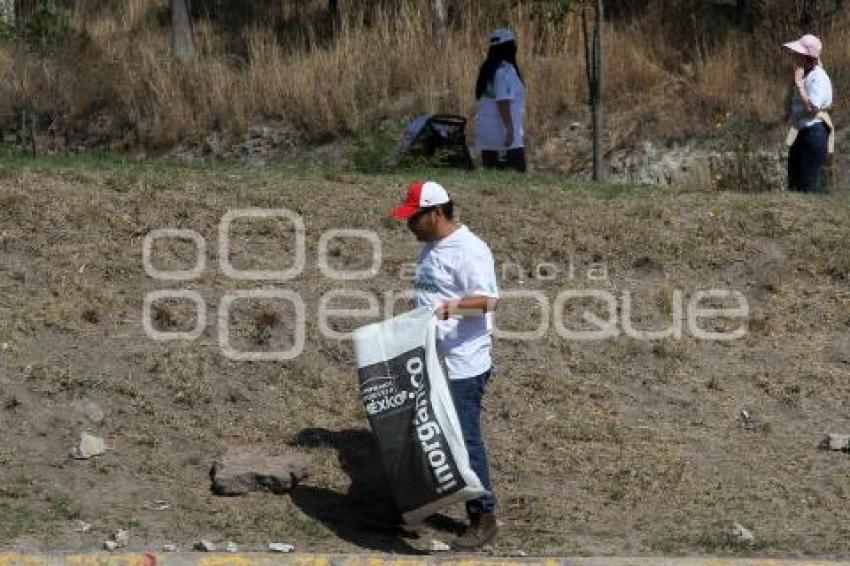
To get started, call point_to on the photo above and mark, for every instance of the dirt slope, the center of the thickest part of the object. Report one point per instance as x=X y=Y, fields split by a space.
x=621 y=446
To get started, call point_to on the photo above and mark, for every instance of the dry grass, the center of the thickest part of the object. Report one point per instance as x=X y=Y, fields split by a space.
x=642 y=436
x=119 y=85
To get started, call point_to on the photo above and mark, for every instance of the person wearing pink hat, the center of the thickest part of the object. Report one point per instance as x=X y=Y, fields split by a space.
x=456 y=278
x=811 y=128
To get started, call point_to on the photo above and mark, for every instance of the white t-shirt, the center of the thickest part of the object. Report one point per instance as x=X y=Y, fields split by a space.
x=490 y=132
x=458 y=266
x=819 y=88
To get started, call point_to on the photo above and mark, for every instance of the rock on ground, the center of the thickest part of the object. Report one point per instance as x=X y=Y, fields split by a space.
x=740 y=534
x=204 y=546
x=122 y=538
x=243 y=470
x=439 y=546
x=281 y=547
x=838 y=442
x=88 y=446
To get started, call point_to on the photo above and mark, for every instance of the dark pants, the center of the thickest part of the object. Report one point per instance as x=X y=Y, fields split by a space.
x=806 y=158
x=467 y=394
x=513 y=159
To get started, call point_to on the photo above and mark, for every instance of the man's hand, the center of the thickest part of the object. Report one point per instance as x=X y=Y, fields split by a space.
x=444 y=311
x=474 y=305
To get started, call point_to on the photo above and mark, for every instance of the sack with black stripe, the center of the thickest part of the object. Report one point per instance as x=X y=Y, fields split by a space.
x=406 y=394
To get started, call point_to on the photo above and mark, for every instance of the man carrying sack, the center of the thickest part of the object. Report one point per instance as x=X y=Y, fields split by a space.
x=456 y=278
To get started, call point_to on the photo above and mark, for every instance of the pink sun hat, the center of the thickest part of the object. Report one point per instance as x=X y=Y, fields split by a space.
x=808 y=45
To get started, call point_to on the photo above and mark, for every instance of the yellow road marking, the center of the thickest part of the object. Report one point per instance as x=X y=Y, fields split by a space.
x=269 y=559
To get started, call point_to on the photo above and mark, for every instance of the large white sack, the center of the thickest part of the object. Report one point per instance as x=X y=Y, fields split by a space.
x=407 y=397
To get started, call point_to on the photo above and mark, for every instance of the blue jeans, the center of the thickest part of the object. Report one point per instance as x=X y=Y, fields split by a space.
x=467 y=394
x=806 y=158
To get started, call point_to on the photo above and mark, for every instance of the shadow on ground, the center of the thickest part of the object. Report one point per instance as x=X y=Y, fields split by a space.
x=365 y=515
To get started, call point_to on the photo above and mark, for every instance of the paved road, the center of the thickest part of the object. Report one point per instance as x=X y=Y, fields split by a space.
x=297 y=559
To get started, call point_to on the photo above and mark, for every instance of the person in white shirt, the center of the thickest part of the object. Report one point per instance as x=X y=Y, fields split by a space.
x=811 y=96
x=500 y=92
x=456 y=277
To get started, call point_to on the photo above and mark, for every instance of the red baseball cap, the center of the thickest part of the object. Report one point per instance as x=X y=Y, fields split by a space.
x=421 y=194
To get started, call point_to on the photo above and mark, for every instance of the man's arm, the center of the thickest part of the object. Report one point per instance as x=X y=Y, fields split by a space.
x=472 y=305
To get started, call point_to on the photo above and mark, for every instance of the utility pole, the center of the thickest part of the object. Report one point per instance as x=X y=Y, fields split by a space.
x=594 y=58
x=182 y=45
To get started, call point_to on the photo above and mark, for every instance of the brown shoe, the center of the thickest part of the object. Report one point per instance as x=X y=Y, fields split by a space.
x=479 y=533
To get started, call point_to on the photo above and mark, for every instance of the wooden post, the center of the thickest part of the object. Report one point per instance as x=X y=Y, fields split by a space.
x=182 y=45
x=594 y=57
x=598 y=107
